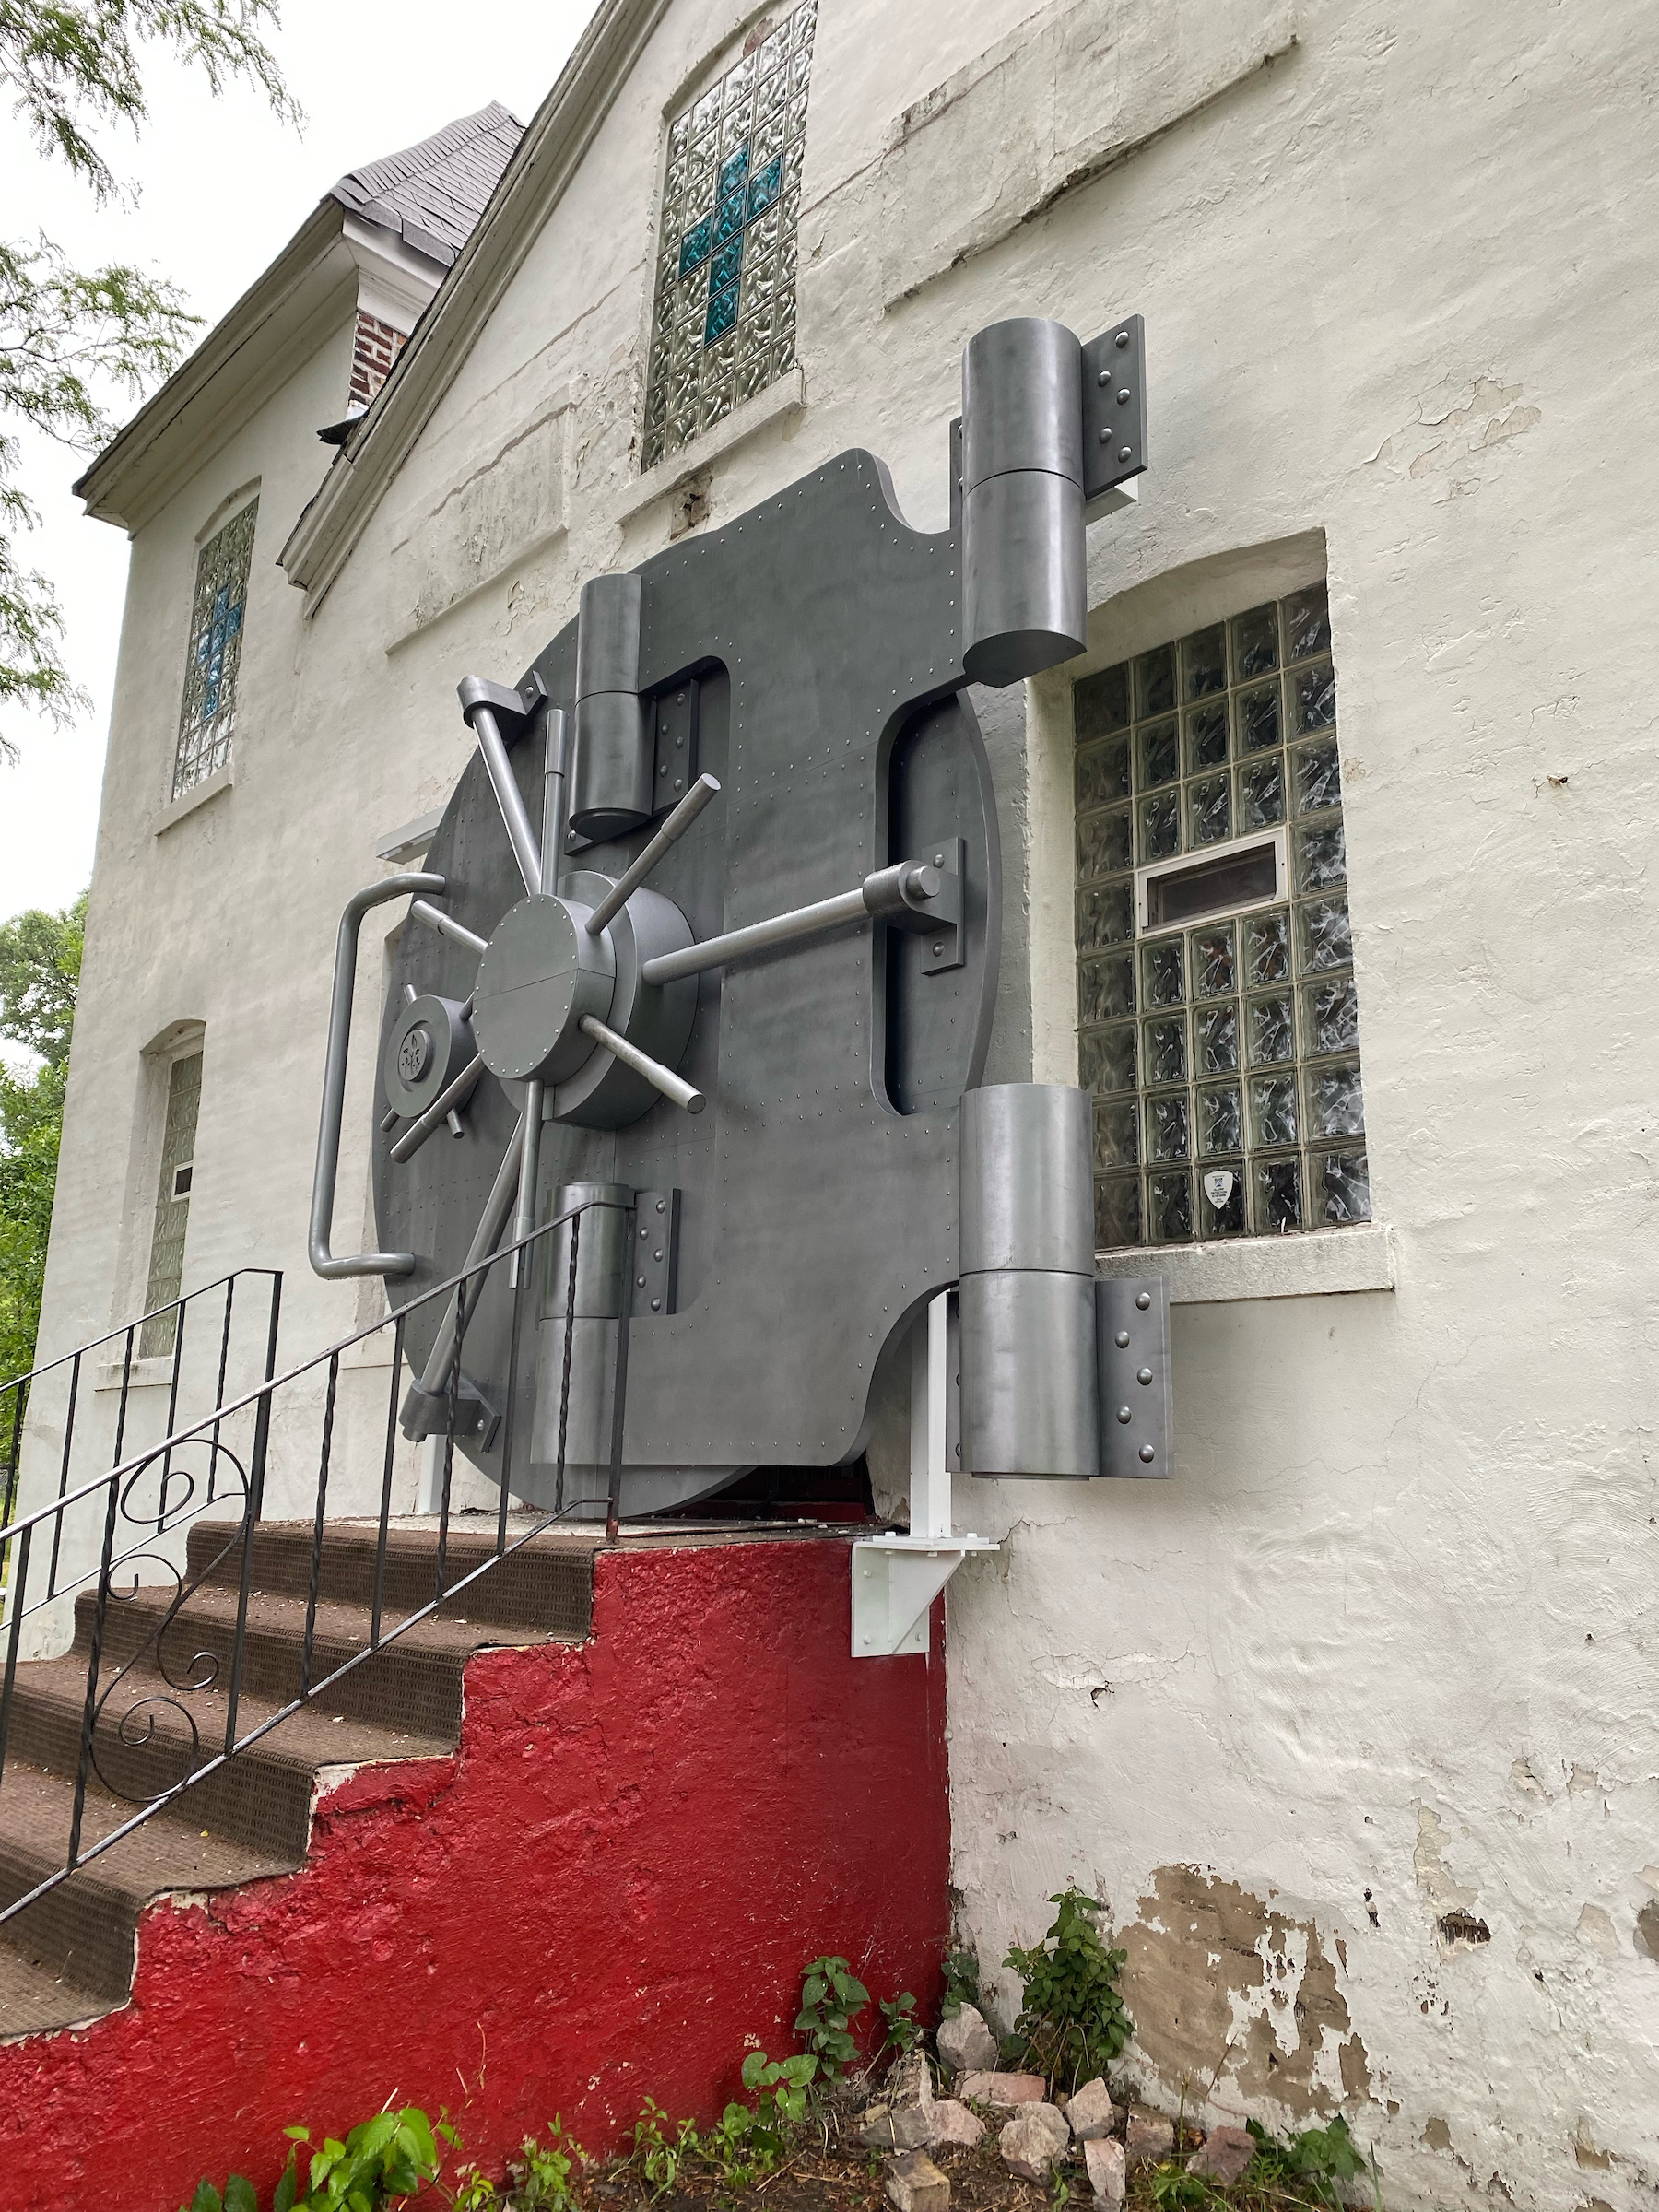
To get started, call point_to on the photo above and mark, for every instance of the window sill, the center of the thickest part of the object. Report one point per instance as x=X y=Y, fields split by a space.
x=198 y=796
x=146 y=1373
x=786 y=398
x=1319 y=1263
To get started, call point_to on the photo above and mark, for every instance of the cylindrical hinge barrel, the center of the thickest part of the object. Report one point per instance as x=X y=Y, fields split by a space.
x=1024 y=580
x=1030 y=1398
x=1027 y=1184
x=601 y=1252
x=611 y=790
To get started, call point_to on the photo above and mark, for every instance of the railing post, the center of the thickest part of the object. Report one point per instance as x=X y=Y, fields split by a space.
x=620 y=1391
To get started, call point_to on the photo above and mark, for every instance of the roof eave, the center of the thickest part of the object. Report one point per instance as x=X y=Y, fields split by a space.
x=102 y=483
x=546 y=158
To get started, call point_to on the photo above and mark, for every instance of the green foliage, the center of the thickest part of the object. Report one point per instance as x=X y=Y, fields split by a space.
x=538 y=2179
x=903 y=2029
x=391 y=2156
x=68 y=65
x=1310 y=2164
x=660 y=2150
x=1072 y=2022
x=831 y=1999
x=745 y=2143
x=39 y=974
x=238 y=2196
x=962 y=1982
x=1173 y=2191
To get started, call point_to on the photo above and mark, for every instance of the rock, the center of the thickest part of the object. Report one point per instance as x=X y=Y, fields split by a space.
x=1091 y=2113
x=966 y=2044
x=1032 y=2140
x=901 y=2127
x=909 y=2082
x=1227 y=2151
x=955 y=2126
x=1107 y=2173
x=915 y=2184
x=1002 y=2089
x=1148 y=2137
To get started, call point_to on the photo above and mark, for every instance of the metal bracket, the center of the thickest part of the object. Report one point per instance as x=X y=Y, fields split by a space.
x=674 y=769
x=1114 y=413
x=896 y=1578
x=1132 y=1359
x=949 y=951
x=655 y=1245
x=514 y=711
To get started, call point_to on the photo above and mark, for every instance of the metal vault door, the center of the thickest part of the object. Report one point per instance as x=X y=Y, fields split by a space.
x=810 y=660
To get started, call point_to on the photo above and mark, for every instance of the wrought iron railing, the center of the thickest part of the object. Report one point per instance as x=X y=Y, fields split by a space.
x=237 y=1470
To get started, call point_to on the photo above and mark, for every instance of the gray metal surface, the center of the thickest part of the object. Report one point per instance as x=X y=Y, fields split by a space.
x=1028 y=1186
x=1115 y=410
x=1022 y=401
x=1029 y=1395
x=1132 y=1325
x=809 y=656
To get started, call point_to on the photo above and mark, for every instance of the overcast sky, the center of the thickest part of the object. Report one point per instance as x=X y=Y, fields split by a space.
x=222 y=186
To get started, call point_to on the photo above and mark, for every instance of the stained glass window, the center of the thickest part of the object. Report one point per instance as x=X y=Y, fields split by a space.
x=1222 y=1047
x=216 y=635
x=724 y=321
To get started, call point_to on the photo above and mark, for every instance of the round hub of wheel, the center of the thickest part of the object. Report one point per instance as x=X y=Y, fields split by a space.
x=541 y=973
x=430 y=1043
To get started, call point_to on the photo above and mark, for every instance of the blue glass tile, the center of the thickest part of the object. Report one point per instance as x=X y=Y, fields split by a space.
x=730 y=217
x=694 y=246
x=765 y=187
x=733 y=173
x=726 y=263
x=722 y=314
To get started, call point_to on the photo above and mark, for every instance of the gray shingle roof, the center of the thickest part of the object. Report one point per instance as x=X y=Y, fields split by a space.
x=433 y=194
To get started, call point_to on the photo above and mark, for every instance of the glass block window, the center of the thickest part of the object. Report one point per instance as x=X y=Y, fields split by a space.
x=172 y=1204
x=215 y=634
x=724 y=321
x=1224 y=1053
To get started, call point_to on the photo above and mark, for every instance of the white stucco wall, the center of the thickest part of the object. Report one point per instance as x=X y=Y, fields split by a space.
x=1377 y=1654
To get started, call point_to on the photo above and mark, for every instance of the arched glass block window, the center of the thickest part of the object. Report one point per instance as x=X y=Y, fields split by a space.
x=1219 y=1024
x=208 y=712
x=724 y=321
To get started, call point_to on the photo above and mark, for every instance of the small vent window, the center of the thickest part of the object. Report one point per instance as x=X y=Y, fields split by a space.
x=723 y=327
x=208 y=712
x=1218 y=1021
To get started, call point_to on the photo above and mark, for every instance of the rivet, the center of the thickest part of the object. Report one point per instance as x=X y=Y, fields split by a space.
x=1104 y=378
x=1145 y=1375
x=1121 y=339
x=1122 y=1412
x=1144 y=1301
x=1147 y=1454
x=639 y=1280
x=937 y=950
x=662 y=1204
x=1123 y=402
x=656 y=1305
x=1105 y=437
x=1124 y=454
x=657 y=1255
x=1122 y=1340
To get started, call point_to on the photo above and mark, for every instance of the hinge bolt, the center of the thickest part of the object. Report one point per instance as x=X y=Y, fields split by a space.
x=1124 y=1413
x=1144 y=1300
x=1145 y=1375
x=1105 y=437
x=1121 y=339
x=1147 y=1454
x=1122 y=455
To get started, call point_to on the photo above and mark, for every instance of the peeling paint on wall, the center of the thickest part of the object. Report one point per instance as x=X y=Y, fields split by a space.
x=1224 y=1985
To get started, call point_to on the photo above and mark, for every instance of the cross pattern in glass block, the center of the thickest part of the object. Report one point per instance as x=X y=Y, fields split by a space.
x=725 y=318
x=1224 y=1055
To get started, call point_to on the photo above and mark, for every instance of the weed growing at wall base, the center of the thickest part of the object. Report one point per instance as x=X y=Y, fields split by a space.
x=1072 y=2022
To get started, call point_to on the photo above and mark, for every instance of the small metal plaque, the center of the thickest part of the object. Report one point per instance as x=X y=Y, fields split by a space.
x=1114 y=409
x=655 y=1253
x=1132 y=1356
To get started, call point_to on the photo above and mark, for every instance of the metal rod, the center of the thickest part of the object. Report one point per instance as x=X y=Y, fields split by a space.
x=317 y=1559
x=218 y=1388
x=673 y=829
x=887 y=891
x=386 y=1512
x=452 y=1398
x=57 y=1526
x=529 y=1161
x=20 y=1577
x=94 y=1660
x=613 y=1506
x=121 y=1329
x=485 y=1237
x=671 y=1086
x=327 y=1173
x=172 y=1414
x=452 y=1095
x=450 y=926
x=564 y=1384
x=520 y=1275
x=253 y=1506
x=520 y=835
x=556 y=770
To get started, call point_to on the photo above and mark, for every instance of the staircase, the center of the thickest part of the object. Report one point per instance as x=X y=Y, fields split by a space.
x=69 y=1958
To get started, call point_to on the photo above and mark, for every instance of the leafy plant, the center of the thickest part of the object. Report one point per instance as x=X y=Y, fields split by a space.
x=391 y=2156
x=1072 y=2022
x=238 y=2196
x=538 y=2179
x=962 y=1983
x=831 y=1999
x=1173 y=2191
x=660 y=2148
x=903 y=2029
x=1311 y=2163
x=745 y=2143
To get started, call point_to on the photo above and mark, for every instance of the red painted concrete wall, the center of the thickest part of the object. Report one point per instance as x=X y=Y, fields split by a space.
x=606 y=1894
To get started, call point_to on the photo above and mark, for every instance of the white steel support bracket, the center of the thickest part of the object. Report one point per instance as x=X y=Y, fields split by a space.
x=896 y=1578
